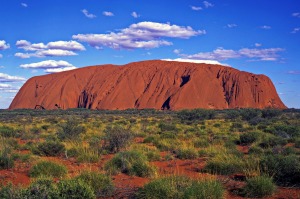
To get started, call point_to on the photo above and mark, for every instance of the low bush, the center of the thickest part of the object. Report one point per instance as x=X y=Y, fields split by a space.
x=297 y=142
x=42 y=187
x=101 y=184
x=117 y=138
x=167 y=127
x=249 y=137
x=71 y=129
x=181 y=187
x=74 y=189
x=132 y=163
x=6 y=160
x=48 y=168
x=259 y=187
x=49 y=148
x=284 y=169
x=195 y=114
x=186 y=153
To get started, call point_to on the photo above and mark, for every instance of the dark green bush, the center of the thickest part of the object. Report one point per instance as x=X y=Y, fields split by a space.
x=167 y=127
x=181 y=187
x=101 y=184
x=117 y=138
x=249 y=137
x=297 y=142
x=272 y=141
x=49 y=148
x=284 y=169
x=270 y=113
x=71 y=129
x=259 y=187
x=131 y=163
x=48 y=168
x=195 y=114
x=205 y=189
x=249 y=113
x=42 y=188
x=6 y=159
x=74 y=189
x=11 y=192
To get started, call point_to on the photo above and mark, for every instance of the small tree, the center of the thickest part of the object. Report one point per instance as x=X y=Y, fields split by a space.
x=117 y=138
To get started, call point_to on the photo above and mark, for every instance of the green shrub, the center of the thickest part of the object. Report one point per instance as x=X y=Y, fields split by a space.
x=153 y=155
x=88 y=157
x=297 y=142
x=74 y=189
x=186 y=153
x=249 y=137
x=174 y=187
x=195 y=114
x=101 y=184
x=117 y=138
x=169 y=187
x=205 y=189
x=132 y=163
x=258 y=187
x=201 y=143
x=224 y=164
x=270 y=113
x=167 y=127
x=6 y=160
x=249 y=113
x=41 y=188
x=284 y=169
x=7 y=131
x=48 y=168
x=70 y=129
x=49 y=148
x=11 y=192
x=272 y=141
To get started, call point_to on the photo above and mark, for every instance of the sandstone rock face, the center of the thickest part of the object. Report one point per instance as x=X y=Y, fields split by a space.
x=149 y=84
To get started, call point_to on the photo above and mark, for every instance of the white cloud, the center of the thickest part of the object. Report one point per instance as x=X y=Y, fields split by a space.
x=4 y=45
x=269 y=54
x=24 y=5
x=258 y=45
x=296 y=14
x=266 y=27
x=141 y=35
x=57 y=70
x=57 y=48
x=47 y=64
x=135 y=15
x=66 y=45
x=7 y=88
x=295 y=30
x=196 y=8
x=108 y=14
x=214 y=62
x=207 y=4
x=176 y=51
x=294 y=72
x=232 y=25
x=87 y=14
x=8 y=78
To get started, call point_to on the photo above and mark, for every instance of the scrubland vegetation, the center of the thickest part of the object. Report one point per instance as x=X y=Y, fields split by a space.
x=80 y=153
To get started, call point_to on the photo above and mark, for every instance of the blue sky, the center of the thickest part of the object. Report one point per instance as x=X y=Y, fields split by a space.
x=45 y=36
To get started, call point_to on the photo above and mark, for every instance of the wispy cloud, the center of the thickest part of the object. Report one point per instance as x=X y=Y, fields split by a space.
x=56 y=48
x=141 y=35
x=177 y=51
x=25 y=5
x=265 y=27
x=214 y=62
x=87 y=14
x=296 y=30
x=269 y=54
x=135 y=15
x=196 y=8
x=232 y=25
x=258 y=45
x=294 y=72
x=8 y=78
x=8 y=88
x=108 y=14
x=4 y=45
x=207 y=4
x=296 y=14
x=50 y=66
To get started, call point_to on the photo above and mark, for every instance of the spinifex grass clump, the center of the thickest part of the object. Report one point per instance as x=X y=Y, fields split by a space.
x=101 y=184
x=48 y=168
x=181 y=187
x=131 y=163
x=49 y=148
x=259 y=186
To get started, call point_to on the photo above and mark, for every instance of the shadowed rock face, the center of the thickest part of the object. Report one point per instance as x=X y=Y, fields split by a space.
x=149 y=84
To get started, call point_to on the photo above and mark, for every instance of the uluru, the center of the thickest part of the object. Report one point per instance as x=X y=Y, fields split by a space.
x=154 y=84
